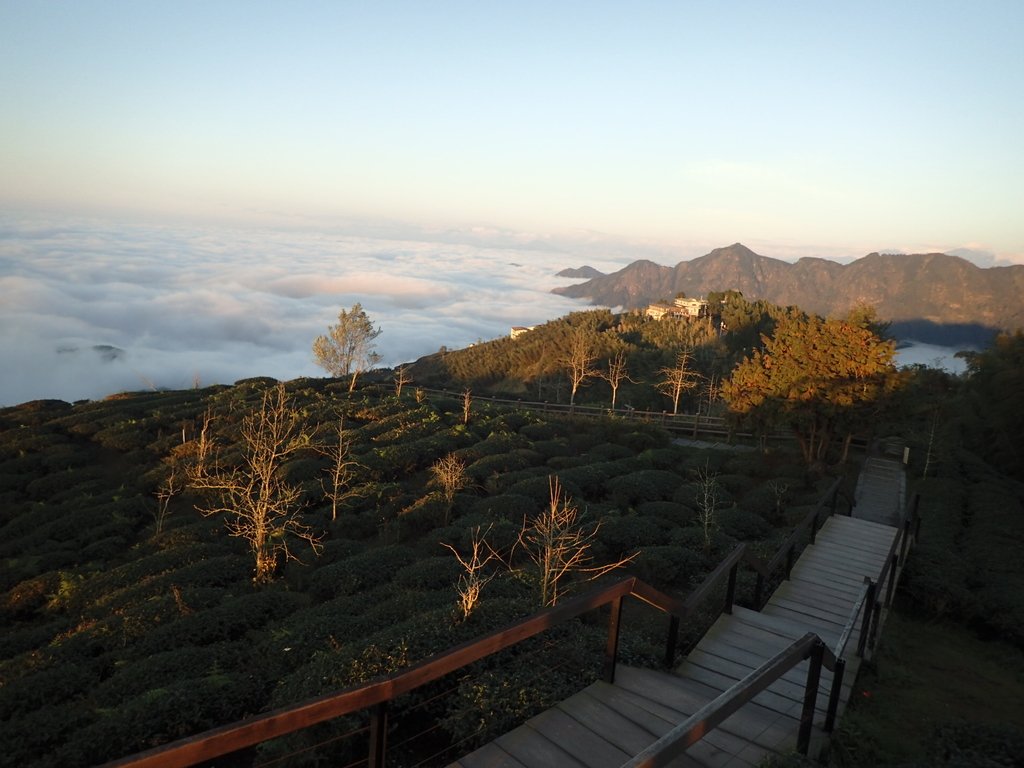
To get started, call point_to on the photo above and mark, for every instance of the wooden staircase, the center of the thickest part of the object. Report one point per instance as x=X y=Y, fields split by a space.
x=605 y=725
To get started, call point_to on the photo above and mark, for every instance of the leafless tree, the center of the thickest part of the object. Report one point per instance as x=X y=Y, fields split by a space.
x=559 y=545
x=337 y=486
x=450 y=474
x=707 y=503
x=474 y=576
x=259 y=506
x=172 y=485
x=467 y=404
x=616 y=374
x=779 y=490
x=402 y=377
x=678 y=379
x=579 y=359
x=348 y=347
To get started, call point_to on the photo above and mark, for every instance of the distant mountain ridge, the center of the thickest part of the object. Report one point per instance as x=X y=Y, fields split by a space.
x=931 y=297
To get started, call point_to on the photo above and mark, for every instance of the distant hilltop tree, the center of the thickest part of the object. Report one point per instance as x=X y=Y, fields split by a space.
x=348 y=347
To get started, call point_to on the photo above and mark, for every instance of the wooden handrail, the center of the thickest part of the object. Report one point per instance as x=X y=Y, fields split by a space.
x=851 y=622
x=229 y=738
x=672 y=744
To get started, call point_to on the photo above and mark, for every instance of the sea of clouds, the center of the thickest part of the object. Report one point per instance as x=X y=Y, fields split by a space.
x=90 y=308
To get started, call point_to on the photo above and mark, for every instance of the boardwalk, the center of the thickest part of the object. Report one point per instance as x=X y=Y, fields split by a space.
x=605 y=725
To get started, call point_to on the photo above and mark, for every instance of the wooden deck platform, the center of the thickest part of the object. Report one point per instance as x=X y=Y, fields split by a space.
x=605 y=725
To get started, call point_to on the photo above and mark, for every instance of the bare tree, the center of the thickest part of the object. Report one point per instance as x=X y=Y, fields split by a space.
x=559 y=544
x=467 y=404
x=348 y=347
x=707 y=503
x=172 y=485
x=678 y=379
x=260 y=507
x=616 y=374
x=473 y=578
x=579 y=359
x=450 y=473
x=337 y=486
x=402 y=377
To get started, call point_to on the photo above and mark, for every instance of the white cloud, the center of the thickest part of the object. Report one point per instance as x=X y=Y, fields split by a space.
x=222 y=304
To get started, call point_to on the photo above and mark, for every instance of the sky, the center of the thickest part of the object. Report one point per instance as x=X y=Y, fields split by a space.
x=845 y=128
x=170 y=169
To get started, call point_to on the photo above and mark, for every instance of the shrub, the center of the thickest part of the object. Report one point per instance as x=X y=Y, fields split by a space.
x=646 y=485
x=365 y=570
x=228 y=621
x=668 y=566
x=671 y=512
x=620 y=536
x=743 y=525
x=538 y=489
x=495 y=464
x=509 y=506
x=429 y=573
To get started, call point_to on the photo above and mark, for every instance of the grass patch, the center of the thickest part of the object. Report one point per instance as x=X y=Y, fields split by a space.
x=934 y=693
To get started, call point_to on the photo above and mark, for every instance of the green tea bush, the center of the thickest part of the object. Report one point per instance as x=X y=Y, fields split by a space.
x=538 y=489
x=671 y=512
x=539 y=431
x=495 y=464
x=63 y=683
x=620 y=536
x=230 y=620
x=365 y=570
x=429 y=573
x=647 y=485
x=743 y=525
x=507 y=506
x=555 y=447
x=668 y=566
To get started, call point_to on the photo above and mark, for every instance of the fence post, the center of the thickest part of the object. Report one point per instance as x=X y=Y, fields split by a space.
x=673 y=639
x=833 y=696
x=891 y=586
x=803 y=742
x=378 y=735
x=611 y=651
x=730 y=589
x=865 y=624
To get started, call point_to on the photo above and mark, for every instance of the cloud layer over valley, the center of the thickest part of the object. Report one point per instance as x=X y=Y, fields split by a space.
x=91 y=308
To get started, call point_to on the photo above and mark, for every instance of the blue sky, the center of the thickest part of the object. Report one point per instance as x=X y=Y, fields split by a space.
x=802 y=128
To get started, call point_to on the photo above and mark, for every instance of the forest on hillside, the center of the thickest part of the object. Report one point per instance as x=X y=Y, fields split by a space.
x=138 y=608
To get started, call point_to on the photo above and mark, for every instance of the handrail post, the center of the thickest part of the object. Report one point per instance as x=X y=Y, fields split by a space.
x=876 y=619
x=758 y=591
x=789 y=560
x=834 y=694
x=891 y=586
x=730 y=590
x=865 y=625
x=673 y=639
x=378 y=735
x=814 y=527
x=803 y=742
x=611 y=652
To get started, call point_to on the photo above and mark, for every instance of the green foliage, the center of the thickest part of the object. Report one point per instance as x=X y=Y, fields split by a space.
x=818 y=376
x=366 y=569
x=646 y=485
x=743 y=525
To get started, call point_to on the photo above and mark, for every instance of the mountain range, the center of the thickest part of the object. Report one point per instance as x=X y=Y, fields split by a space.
x=930 y=297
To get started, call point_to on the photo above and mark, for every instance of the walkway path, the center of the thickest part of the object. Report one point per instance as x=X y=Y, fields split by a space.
x=604 y=725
